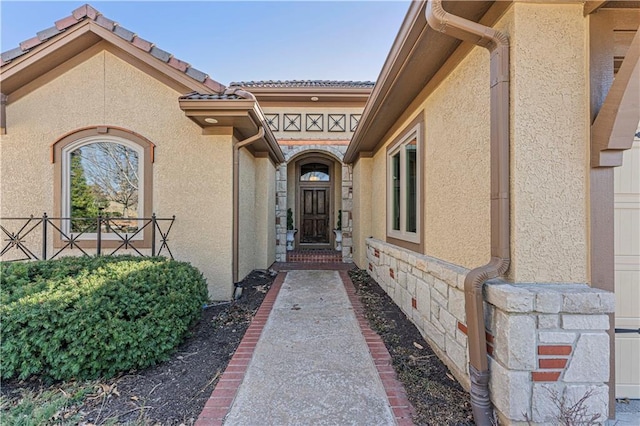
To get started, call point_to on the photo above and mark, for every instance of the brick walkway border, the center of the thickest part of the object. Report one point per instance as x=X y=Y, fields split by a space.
x=402 y=408
x=220 y=401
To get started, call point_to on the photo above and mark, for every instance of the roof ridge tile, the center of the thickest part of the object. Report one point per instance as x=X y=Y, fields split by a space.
x=123 y=33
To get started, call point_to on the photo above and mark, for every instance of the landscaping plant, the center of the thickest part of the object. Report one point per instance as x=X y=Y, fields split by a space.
x=94 y=317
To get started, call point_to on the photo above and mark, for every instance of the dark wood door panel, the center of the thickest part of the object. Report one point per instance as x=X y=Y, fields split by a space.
x=315 y=215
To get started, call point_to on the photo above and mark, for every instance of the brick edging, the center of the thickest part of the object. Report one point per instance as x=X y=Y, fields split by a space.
x=221 y=399
x=396 y=394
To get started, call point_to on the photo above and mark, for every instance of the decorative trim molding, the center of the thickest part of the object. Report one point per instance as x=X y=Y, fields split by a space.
x=336 y=122
x=292 y=122
x=314 y=122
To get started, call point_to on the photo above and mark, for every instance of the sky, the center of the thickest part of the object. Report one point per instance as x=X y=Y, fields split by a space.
x=241 y=40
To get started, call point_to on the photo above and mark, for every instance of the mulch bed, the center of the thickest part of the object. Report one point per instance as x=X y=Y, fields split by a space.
x=174 y=392
x=437 y=397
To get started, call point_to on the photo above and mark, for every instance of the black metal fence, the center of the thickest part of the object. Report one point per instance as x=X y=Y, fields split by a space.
x=102 y=235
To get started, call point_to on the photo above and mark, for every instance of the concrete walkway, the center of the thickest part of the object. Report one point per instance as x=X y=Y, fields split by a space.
x=309 y=358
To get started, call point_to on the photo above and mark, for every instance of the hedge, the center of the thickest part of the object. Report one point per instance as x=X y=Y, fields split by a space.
x=94 y=317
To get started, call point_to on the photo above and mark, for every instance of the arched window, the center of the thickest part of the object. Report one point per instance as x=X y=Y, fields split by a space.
x=103 y=171
x=314 y=172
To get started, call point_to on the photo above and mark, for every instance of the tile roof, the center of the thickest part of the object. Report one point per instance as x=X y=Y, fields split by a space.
x=305 y=84
x=88 y=12
x=211 y=96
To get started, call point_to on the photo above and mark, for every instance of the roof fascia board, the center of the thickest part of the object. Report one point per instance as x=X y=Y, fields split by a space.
x=401 y=53
x=402 y=44
x=275 y=152
x=235 y=108
x=37 y=53
x=184 y=82
x=492 y=16
x=145 y=57
x=232 y=106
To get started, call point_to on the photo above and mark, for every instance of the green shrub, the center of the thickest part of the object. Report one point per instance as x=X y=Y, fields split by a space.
x=89 y=317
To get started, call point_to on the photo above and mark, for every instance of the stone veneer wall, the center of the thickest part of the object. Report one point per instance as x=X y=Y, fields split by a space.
x=541 y=338
x=281 y=199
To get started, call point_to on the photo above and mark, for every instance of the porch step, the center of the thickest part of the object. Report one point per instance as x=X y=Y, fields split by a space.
x=314 y=256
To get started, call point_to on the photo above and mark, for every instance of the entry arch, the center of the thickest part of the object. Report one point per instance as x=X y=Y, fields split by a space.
x=314 y=198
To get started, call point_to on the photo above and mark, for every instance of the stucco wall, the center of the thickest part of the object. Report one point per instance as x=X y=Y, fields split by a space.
x=362 y=193
x=548 y=151
x=455 y=166
x=247 y=214
x=192 y=172
x=550 y=133
x=265 y=213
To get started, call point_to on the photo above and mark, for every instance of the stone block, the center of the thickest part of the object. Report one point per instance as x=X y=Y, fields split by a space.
x=403 y=266
x=510 y=391
x=549 y=302
x=448 y=321
x=423 y=298
x=434 y=334
x=441 y=287
x=407 y=307
x=548 y=321
x=556 y=337
x=421 y=264
x=587 y=300
x=515 y=341
x=596 y=399
x=509 y=298
x=590 y=360
x=393 y=263
x=411 y=259
x=585 y=322
x=456 y=353
x=411 y=284
x=438 y=298
x=461 y=338
x=436 y=270
x=460 y=283
x=544 y=409
x=457 y=305
x=449 y=276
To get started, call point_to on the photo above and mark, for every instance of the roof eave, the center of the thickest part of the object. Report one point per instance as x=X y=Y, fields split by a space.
x=79 y=37
x=244 y=115
x=406 y=71
x=304 y=94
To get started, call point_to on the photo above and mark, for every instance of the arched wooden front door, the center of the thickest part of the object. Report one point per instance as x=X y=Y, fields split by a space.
x=315 y=203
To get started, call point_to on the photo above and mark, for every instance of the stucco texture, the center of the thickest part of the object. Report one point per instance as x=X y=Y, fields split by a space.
x=455 y=156
x=549 y=164
x=549 y=148
x=256 y=214
x=265 y=213
x=362 y=193
x=192 y=173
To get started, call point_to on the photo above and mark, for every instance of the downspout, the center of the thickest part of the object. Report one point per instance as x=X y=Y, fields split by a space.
x=498 y=45
x=236 y=197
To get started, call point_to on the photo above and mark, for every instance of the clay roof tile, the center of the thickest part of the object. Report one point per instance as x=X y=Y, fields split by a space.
x=87 y=11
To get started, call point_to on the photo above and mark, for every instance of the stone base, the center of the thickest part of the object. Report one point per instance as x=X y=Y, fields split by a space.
x=547 y=343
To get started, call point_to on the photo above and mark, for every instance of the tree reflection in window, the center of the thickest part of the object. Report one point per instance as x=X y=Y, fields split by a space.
x=104 y=179
x=314 y=172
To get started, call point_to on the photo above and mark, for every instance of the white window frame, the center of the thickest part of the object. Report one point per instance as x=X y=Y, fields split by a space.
x=66 y=179
x=403 y=234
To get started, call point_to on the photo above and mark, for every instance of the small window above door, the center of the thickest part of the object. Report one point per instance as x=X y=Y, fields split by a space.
x=314 y=172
